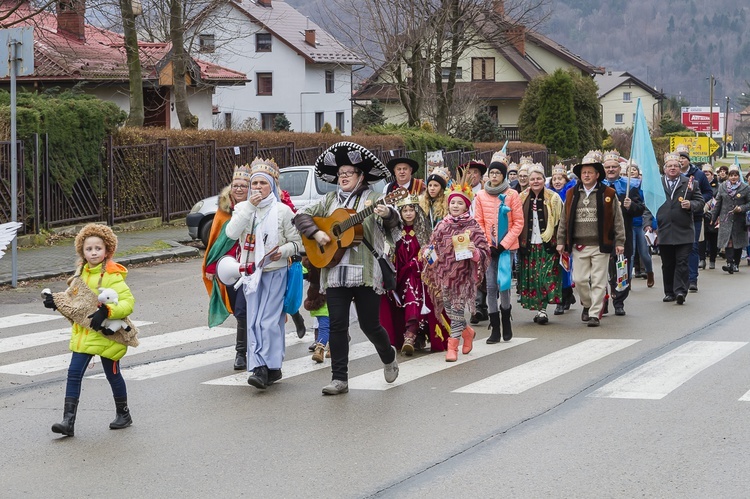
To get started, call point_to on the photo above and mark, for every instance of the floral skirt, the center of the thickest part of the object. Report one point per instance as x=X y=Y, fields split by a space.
x=539 y=278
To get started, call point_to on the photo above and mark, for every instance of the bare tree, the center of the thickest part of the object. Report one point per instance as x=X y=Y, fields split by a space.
x=136 y=115
x=179 y=66
x=14 y=12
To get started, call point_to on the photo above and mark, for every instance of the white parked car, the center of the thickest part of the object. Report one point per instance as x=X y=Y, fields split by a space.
x=303 y=186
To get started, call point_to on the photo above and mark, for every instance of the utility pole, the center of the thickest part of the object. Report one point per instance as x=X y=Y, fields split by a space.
x=711 y=82
x=726 y=121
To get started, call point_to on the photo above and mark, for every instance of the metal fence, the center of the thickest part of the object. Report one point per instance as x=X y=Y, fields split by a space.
x=136 y=182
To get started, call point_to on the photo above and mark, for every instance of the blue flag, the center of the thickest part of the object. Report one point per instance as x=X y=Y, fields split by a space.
x=642 y=152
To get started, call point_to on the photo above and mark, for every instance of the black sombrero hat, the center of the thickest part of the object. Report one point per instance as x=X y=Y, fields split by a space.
x=391 y=165
x=348 y=153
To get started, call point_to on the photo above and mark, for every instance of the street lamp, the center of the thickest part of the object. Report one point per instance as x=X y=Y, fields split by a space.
x=726 y=120
x=711 y=83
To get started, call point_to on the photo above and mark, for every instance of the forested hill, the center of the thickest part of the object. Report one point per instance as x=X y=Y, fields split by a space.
x=670 y=44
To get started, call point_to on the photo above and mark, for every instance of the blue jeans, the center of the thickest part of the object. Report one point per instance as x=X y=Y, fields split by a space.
x=78 y=364
x=694 y=258
x=324 y=328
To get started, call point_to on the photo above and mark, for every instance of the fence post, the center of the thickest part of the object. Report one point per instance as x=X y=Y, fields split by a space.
x=165 y=180
x=110 y=182
x=46 y=208
x=37 y=212
x=213 y=174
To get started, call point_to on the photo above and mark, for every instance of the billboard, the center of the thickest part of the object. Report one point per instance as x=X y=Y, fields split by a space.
x=698 y=119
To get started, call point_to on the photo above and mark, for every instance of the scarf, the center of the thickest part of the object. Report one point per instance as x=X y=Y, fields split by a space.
x=496 y=190
x=503 y=260
x=732 y=188
x=265 y=230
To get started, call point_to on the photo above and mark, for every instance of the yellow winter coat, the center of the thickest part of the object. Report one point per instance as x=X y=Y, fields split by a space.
x=92 y=342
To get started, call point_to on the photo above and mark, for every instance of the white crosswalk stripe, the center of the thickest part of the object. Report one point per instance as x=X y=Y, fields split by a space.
x=187 y=362
x=43 y=338
x=54 y=363
x=745 y=397
x=25 y=319
x=430 y=364
x=656 y=379
x=534 y=373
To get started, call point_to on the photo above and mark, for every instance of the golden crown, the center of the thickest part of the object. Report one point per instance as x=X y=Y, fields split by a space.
x=536 y=168
x=612 y=155
x=559 y=169
x=592 y=157
x=267 y=166
x=526 y=160
x=671 y=156
x=242 y=172
x=682 y=148
x=499 y=157
x=408 y=200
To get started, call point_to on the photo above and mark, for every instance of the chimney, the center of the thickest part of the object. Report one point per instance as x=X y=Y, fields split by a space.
x=70 y=18
x=517 y=37
x=310 y=37
x=264 y=3
x=499 y=7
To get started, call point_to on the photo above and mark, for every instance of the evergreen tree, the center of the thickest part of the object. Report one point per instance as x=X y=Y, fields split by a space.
x=484 y=129
x=370 y=115
x=557 y=127
x=587 y=111
x=281 y=123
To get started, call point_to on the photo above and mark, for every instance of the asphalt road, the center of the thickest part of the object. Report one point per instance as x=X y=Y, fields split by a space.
x=655 y=404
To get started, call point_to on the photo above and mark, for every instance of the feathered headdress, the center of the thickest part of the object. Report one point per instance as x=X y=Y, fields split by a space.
x=461 y=186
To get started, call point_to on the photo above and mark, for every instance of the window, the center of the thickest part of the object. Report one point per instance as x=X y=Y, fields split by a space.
x=329 y=82
x=318 y=121
x=262 y=42
x=266 y=121
x=323 y=187
x=206 y=43
x=340 y=121
x=627 y=97
x=228 y=121
x=446 y=71
x=265 y=83
x=620 y=118
x=294 y=182
x=483 y=68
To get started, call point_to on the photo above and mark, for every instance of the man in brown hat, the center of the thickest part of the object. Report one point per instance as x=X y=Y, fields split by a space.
x=591 y=228
x=403 y=169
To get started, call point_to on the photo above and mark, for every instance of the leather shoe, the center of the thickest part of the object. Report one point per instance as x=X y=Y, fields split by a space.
x=693 y=287
x=619 y=310
x=259 y=378
x=668 y=298
x=240 y=362
x=680 y=299
x=274 y=375
x=593 y=322
x=702 y=265
x=650 y=279
x=474 y=319
x=585 y=314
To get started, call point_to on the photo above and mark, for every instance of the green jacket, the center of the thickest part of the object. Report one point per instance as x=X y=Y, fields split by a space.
x=88 y=341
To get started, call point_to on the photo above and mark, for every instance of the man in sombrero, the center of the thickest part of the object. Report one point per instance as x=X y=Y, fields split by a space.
x=357 y=276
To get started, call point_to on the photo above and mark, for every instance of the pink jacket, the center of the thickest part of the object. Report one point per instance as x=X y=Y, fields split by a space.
x=485 y=213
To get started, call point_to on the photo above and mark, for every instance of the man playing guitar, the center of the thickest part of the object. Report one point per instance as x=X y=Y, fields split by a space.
x=357 y=276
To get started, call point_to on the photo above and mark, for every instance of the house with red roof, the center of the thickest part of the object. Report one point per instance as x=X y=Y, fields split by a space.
x=68 y=52
x=297 y=69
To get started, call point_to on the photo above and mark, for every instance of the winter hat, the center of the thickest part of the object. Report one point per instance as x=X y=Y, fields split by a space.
x=441 y=175
x=499 y=161
x=96 y=230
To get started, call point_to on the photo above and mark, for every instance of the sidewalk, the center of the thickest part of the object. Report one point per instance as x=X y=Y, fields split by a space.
x=134 y=246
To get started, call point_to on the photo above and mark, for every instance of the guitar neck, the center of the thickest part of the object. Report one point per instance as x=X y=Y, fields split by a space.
x=360 y=216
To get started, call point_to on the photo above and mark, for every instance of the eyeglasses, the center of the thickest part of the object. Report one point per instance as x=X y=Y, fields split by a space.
x=495 y=173
x=239 y=187
x=348 y=173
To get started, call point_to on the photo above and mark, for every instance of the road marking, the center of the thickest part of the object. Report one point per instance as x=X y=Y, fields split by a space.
x=429 y=364
x=297 y=367
x=24 y=319
x=745 y=397
x=187 y=362
x=656 y=379
x=536 y=372
x=44 y=338
x=54 y=363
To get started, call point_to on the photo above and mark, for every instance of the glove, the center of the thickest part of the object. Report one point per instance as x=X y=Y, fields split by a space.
x=107 y=331
x=501 y=249
x=49 y=302
x=495 y=252
x=97 y=318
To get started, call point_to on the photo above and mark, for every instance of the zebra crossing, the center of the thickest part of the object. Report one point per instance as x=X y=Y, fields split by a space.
x=652 y=380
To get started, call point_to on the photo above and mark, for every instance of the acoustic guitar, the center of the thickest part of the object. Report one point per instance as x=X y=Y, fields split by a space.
x=344 y=228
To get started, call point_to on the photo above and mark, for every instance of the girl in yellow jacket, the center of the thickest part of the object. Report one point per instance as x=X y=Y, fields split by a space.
x=95 y=245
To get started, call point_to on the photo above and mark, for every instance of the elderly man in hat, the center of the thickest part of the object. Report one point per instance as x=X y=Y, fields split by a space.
x=690 y=170
x=632 y=206
x=357 y=275
x=590 y=229
x=676 y=228
x=403 y=169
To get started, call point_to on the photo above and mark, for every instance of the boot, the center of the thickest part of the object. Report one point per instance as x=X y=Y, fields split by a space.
x=451 y=354
x=650 y=279
x=240 y=360
x=495 y=336
x=569 y=298
x=123 y=419
x=560 y=307
x=299 y=323
x=319 y=353
x=69 y=417
x=259 y=378
x=507 y=330
x=468 y=335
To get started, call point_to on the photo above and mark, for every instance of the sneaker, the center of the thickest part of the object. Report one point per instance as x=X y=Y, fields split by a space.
x=390 y=370
x=408 y=347
x=693 y=287
x=319 y=353
x=336 y=387
x=712 y=265
x=259 y=378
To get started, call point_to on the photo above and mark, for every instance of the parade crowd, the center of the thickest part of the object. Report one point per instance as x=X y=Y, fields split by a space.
x=426 y=260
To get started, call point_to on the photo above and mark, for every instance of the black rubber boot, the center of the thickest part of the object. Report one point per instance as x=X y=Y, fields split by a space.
x=240 y=360
x=123 y=419
x=69 y=418
x=299 y=323
x=568 y=298
x=495 y=336
x=507 y=330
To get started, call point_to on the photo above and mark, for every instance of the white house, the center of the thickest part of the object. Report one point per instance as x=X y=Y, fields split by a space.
x=618 y=95
x=294 y=66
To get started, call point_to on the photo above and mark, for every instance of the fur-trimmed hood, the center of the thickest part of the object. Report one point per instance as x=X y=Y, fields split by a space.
x=225 y=199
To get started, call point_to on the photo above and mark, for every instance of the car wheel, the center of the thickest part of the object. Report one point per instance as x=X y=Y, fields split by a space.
x=205 y=230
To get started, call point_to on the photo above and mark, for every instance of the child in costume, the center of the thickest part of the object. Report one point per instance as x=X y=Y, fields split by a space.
x=432 y=200
x=457 y=258
x=95 y=245
x=406 y=312
x=316 y=304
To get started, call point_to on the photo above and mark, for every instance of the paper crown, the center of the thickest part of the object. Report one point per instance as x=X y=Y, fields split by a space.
x=434 y=160
x=593 y=157
x=441 y=172
x=411 y=199
x=513 y=167
x=526 y=160
x=612 y=155
x=242 y=172
x=682 y=148
x=499 y=157
x=671 y=156
x=559 y=169
x=734 y=168
x=267 y=166
x=461 y=187
x=536 y=168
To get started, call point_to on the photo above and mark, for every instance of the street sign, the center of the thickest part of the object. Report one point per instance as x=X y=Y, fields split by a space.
x=698 y=146
x=24 y=38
